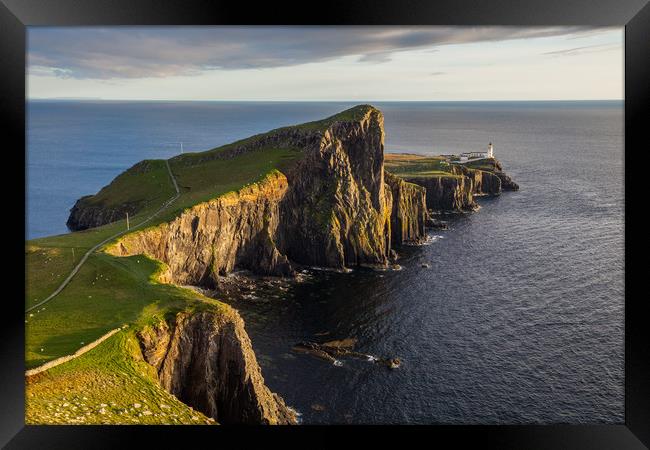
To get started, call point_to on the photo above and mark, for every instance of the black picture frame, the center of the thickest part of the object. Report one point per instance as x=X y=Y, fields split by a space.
x=634 y=15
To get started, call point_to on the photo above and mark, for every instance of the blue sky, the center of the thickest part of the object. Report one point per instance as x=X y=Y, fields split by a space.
x=325 y=63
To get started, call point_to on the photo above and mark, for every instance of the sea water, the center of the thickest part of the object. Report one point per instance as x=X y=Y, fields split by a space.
x=517 y=319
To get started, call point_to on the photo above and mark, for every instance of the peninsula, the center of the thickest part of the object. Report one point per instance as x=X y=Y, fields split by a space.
x=317 y=194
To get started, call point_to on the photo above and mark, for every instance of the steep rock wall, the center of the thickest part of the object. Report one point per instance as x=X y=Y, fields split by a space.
x=409 y=213
x=333 y=209
x=212 y=238
x=447 y=193
x=483 y=182
x=337 y=210
x=206 y=360
x=84 y=216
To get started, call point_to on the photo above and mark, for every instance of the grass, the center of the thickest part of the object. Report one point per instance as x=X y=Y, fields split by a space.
x=107 y=293
x=202 y=182
x=489 y=165
x=144 y=185
x=352 y=114
x=410 y=165
x=104 y=384
x=110 y=384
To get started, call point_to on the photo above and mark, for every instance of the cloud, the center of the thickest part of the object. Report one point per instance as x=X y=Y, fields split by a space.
x=583 y=49
x=155 y=51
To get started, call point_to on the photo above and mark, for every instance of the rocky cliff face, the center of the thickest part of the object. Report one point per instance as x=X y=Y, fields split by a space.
x=206 y=360
x=332 y=209
x=506 y=182
x=447 y=193
x=84 y=216
x=212 y=238
x=337 y=210
x=409 y=213
x=483 y=182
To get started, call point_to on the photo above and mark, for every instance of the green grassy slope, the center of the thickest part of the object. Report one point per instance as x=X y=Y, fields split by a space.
x=410 y=165
x=145 y=185
x=110 y=384
x=109 y=292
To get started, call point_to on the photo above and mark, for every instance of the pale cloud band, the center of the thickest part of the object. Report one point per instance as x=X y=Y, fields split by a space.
x=145 y=52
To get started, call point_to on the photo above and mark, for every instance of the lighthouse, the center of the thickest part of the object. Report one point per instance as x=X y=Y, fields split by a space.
x=490 y=150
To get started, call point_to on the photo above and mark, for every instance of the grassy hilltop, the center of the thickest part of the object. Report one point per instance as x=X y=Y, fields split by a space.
x=104 y=384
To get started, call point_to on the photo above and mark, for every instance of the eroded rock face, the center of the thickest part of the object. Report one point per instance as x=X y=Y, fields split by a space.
x=84 y=216
x=506 y=182
x=337 y=210
x=332 y=209
x=483 y=182
x=211 y=238
x=447 y=193
x=92 y=211
x=206 y=360
x=409 y=215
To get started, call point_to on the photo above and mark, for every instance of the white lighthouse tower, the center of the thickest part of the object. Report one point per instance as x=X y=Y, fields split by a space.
x=490 y=151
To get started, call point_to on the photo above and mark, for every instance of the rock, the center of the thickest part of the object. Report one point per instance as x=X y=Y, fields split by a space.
x=206 y=360
x=506 y=182
x=436 y=224
x=409 y=210
x=391 y=363
x=342 y=343
x=447 y=192
x=333 y=209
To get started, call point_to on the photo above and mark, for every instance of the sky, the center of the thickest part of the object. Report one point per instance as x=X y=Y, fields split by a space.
x=342 y=63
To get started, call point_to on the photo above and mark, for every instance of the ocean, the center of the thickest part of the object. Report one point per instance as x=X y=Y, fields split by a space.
x=519 y=316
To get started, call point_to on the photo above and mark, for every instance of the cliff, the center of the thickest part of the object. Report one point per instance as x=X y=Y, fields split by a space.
x=409 y=213
x=447 y=193
x=449 y=186
x=483 y=182
x=494 y=167
x=212 y=238
x=333 y=208
x=337 y=210
x=206 y=360
x=84 y=215
x=144 y=184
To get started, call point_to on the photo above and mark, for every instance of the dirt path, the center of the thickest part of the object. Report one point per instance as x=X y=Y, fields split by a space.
x=89 y=252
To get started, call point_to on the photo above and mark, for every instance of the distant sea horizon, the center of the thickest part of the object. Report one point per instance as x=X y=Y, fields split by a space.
x=48 y=208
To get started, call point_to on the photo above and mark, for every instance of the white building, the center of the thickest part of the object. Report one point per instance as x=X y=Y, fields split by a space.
x=464 y=157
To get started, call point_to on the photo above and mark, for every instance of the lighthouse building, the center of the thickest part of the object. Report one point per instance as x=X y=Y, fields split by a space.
x=464 y=157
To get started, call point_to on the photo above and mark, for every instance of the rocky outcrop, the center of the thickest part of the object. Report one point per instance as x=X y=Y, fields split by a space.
x=95 y=210
x=409 y=214
x=206 y=360
x=483 y=182
x=506 y=182
x=84 y=215
x=494 y=167
x=447 y=192
x=333 y=209
x=210 y=239
x=337 y=210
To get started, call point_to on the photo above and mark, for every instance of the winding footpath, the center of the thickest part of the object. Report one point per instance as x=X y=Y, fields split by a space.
x=93 y=249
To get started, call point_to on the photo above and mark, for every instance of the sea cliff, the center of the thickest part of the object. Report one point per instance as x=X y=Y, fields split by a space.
x=206 y=360
x=334 y=206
